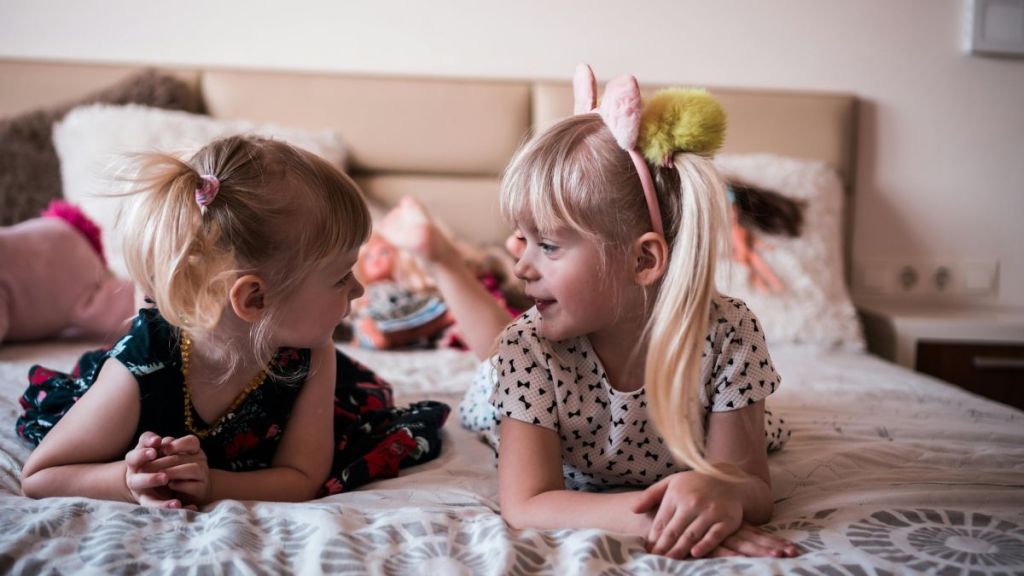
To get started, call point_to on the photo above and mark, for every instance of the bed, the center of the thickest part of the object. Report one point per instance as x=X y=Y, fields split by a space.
x=887 y=471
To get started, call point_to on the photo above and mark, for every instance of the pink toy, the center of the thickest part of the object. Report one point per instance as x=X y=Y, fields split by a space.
x=54 y=280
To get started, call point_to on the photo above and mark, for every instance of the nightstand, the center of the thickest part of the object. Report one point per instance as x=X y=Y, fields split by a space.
x=980 y=349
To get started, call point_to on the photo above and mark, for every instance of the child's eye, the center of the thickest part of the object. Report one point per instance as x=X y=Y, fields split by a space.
x=547 y=247
x=345 y=279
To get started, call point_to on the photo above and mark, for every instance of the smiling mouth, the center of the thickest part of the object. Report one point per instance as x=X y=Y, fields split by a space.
x=542 y=304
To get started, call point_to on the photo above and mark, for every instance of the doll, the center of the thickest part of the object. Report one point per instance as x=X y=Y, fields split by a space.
x=750 y=209
x=54 y=280
x=399 y=308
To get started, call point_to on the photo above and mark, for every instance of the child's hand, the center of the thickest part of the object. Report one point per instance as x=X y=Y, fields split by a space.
x=696 y=513
x=750 y=540
x=411 y=228
x=148 y=484
x=183 y=461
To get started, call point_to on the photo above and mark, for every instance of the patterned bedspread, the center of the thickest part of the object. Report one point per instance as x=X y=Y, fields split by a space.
x=887 y=472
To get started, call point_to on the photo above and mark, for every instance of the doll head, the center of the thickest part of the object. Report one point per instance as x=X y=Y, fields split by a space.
x=378 y=260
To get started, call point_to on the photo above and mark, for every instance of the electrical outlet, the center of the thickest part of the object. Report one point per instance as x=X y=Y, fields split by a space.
x=942 y=278
x=966 y=278
x=909 y=278
x=927 y=277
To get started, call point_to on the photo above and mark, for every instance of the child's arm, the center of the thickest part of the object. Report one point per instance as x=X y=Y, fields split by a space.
x=303 y=457
x=84 y=454
x=735 y=443
x=697 y=512
x=533 y=495
x=479 y=316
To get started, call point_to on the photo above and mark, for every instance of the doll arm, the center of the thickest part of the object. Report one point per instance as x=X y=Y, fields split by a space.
x=303 y=458
x=744 y=251
x=84 y=453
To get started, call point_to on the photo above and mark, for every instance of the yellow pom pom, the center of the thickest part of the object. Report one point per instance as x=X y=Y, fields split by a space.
x=680 y=119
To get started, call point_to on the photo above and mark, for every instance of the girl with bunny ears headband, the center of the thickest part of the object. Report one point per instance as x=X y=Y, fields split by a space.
x=631 y=370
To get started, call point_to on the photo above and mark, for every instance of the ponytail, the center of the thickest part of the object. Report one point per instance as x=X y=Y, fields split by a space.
x=192 y=227
x=679 y=320
x=173 y=255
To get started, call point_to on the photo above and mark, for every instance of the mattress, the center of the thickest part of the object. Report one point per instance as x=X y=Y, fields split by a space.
x=887 y=472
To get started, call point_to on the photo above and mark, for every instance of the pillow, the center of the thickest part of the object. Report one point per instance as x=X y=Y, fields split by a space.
x=93 y=142
x=29 y=169
x=814 y=305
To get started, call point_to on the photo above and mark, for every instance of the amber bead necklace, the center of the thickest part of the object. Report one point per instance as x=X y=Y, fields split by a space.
x=256 y=382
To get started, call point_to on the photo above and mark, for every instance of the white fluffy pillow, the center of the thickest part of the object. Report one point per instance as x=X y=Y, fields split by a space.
x=814 y=306
x=93 y=141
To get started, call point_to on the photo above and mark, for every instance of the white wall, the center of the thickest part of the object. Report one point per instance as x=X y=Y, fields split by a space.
x=941 y=153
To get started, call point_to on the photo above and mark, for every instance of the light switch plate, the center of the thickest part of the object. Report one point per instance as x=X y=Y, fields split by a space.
x=994 y=27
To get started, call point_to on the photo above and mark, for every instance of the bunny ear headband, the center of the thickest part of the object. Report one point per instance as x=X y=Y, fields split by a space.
x=675 y=120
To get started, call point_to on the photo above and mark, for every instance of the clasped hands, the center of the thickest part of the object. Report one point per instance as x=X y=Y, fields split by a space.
x=696 y=515
x=168 y=472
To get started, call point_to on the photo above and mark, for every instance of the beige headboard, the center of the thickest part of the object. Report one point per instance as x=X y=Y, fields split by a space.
x=443 y=140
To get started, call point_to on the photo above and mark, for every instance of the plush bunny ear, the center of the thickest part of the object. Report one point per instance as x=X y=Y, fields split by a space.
x=584 y=90
x=621 y=108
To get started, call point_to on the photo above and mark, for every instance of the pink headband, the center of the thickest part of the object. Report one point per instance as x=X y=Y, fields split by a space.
x=620 y=110
x=207 y=190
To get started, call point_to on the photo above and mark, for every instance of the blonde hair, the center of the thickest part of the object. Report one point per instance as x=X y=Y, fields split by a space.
x=279 y=212
x=576 y=175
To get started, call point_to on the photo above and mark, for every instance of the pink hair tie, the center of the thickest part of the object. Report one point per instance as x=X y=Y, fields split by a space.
x=620 y=109
x=207 y=190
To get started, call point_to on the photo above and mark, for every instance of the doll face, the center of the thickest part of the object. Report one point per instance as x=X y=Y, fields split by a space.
x=377 y=260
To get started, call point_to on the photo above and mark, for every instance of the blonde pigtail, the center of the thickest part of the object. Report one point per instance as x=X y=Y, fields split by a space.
x=174 y=261
x=679 y=322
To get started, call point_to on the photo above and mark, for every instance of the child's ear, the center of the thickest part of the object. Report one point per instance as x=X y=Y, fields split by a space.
x=650 y=252
x=248 y=297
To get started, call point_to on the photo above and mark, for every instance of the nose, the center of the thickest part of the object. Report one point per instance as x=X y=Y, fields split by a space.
x=357 y=290
x=524 y=269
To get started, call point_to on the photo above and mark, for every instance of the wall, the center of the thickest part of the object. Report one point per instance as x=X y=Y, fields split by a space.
x=941 y=173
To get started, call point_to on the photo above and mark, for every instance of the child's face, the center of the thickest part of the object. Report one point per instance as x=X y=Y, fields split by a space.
x=562 y=273
x=320 y=303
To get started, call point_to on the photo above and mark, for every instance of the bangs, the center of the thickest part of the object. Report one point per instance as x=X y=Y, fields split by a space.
x=550 y=183
x=338 y=218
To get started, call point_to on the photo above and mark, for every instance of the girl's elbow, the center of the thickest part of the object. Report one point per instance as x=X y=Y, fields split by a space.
x=513 y=519
x=312 y=487
x=515 y=515
x=32 y=487
x=312 y=492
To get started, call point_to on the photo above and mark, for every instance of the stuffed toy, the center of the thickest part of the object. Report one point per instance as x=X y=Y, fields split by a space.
x=54 y=280
x=398 y=309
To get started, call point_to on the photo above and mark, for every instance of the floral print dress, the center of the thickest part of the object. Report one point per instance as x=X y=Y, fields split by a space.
x=372 y=437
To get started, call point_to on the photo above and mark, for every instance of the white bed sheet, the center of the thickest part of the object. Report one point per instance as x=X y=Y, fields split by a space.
x=887 y=472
